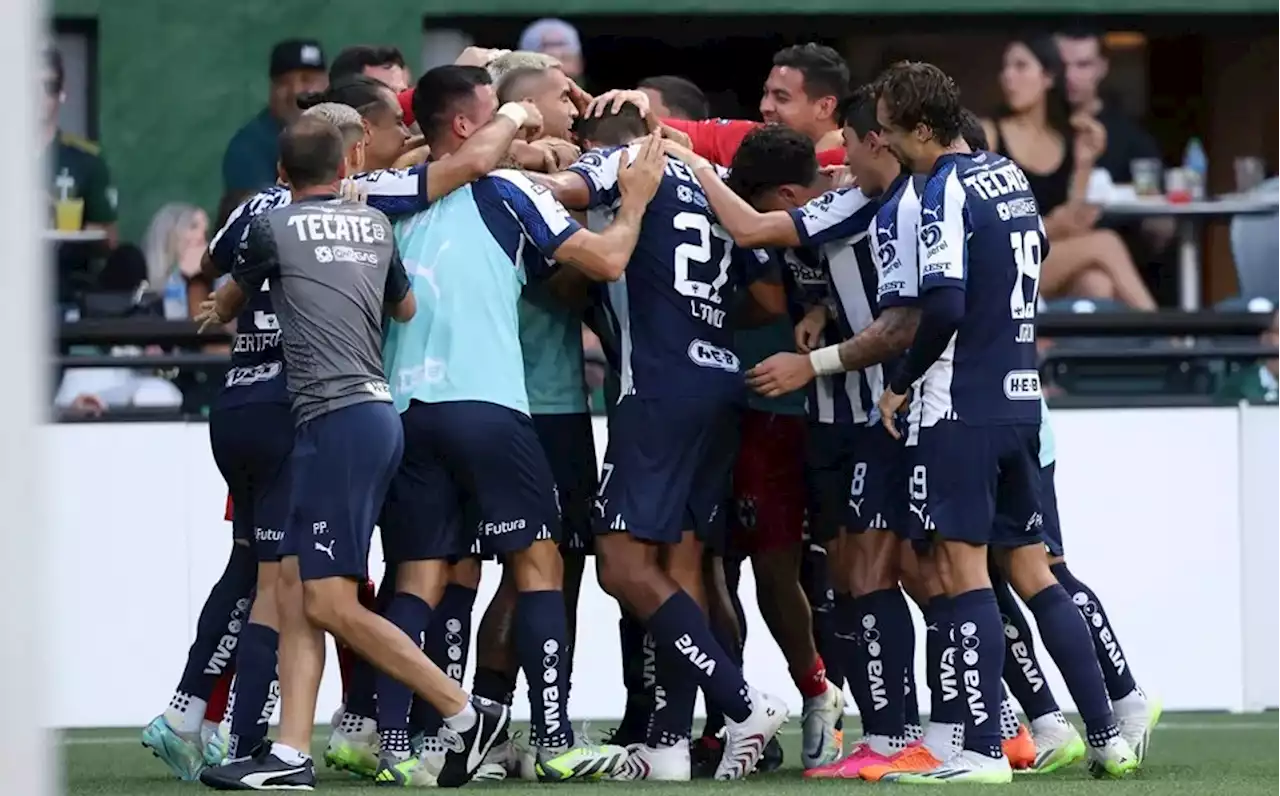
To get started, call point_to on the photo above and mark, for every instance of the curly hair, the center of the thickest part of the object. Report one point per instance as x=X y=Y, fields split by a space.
x=916 y=93
x=771 y=156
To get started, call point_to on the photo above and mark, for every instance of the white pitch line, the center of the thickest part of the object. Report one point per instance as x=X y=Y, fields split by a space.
x=1239 y=726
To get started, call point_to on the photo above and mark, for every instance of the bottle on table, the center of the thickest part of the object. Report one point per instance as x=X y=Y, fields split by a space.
x=1196 y=165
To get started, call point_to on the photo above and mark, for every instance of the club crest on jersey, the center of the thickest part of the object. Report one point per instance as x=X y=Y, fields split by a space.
x=706 y=355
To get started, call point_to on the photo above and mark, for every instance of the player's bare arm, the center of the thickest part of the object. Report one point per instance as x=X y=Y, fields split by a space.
x=569 y=188
x=809 y=330
x=604 y=256
x=887 y=337
x=482 y=152
x=749 y=227
x=221 y=306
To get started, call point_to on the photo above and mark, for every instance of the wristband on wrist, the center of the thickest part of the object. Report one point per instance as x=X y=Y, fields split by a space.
x=826 y=361
x=515 y=112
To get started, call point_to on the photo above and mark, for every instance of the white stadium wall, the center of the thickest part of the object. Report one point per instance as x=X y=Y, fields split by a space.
x=1169 y=514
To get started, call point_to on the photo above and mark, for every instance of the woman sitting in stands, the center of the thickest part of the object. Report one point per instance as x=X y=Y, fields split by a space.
x=1057 y=151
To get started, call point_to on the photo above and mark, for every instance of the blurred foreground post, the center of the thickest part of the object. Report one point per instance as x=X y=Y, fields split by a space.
x=25 y=691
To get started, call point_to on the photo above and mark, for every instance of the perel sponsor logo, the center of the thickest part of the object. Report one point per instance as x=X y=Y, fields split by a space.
x=700 y=659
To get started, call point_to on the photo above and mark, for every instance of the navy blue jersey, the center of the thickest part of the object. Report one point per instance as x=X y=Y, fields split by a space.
x=981 y=232
x=256 y=358
x=836 y=224
x=671 y=307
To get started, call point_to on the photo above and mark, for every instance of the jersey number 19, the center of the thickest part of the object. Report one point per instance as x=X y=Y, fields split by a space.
x=1027 y=255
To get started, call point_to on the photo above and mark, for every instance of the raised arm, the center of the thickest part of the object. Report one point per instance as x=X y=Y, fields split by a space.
x=749 y=227
x=482 y=152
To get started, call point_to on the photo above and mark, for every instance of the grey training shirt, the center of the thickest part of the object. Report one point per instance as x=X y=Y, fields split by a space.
x=332 y=266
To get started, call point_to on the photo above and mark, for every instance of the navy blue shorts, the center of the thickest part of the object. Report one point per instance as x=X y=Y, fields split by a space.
x=878 y=482
x=667 y=469
x=1049 y=510
x=251 y=445
x=571 y=453
x=830 y=456
x=472 y=471
x=976 y=484
x=342 y=464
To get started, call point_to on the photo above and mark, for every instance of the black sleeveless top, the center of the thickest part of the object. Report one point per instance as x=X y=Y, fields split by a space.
x=1052 y=189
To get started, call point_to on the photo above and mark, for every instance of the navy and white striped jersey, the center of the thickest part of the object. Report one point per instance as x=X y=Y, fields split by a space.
x=836 y=224
x=256 y=358
x=671 y=308
x=981 y=232
x=896 y=232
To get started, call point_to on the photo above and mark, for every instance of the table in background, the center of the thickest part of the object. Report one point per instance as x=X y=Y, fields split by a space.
x=1189 y=217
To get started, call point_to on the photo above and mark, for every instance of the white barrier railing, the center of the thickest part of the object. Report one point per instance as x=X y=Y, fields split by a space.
x=1169 y=514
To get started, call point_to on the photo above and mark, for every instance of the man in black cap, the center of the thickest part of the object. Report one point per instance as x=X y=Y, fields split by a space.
x=249 y=164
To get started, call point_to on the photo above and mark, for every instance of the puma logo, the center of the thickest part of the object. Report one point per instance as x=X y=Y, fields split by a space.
x=327 y=550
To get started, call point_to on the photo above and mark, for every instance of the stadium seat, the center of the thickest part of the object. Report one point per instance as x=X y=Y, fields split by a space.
x=1255 y=247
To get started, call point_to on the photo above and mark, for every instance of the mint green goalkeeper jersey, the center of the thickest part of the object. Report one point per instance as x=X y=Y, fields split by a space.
x=753 y=346
x=551 y=337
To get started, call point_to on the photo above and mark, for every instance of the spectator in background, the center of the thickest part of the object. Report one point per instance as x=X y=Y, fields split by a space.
x=174 y=244
x=1057 y=150
x=559 y=39
x=1258 y=383
x=78 y=174
x=380 y=63
x=249 y=164
x=672 y=97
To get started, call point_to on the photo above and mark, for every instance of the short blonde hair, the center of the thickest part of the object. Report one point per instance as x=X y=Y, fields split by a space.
x=503 y=65
x=344 y=117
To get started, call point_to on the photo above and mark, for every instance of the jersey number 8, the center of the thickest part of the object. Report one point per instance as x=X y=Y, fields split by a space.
x=1027 y=254
x=700 y=253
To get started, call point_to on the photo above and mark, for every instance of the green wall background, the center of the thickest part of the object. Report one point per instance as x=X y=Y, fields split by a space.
x=177 y=77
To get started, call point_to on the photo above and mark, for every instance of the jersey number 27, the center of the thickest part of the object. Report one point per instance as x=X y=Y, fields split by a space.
x=700 y=253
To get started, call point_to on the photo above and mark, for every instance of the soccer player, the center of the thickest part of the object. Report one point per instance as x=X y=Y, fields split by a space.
x=459 y=383
x=974 y=436
x=334 y=271
x=869 y=604
x=660 y=485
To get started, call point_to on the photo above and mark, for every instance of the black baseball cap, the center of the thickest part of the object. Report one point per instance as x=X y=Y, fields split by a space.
x=294 y=54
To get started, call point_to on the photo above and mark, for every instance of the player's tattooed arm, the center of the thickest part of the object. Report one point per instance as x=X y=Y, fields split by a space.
x=749 y=227
x=887 y=337
x=569 y=188
x=482 y=152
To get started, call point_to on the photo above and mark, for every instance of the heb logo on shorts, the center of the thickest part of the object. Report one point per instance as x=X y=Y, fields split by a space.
x=705 y=355
x=1022 y=385
x=500 y=528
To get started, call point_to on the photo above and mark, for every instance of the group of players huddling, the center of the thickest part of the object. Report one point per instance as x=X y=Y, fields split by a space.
x=821 y=335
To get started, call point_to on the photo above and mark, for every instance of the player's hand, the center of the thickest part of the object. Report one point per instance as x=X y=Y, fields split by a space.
x=564 y=152
x=840 y=177
x=780 y=374
x=531 y=157
x=809 y=329
x=890 y=404
x=684 y=154
x=414 y=152
x=88 y=405
x=479 y=56
x=1090 y=139
x=614 y=99
x=672 y=134
x=207 y=316
x=532 y=127
x=639 y=180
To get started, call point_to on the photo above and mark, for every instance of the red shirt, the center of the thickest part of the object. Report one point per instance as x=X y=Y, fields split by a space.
x=405 y=98
x=718 y=139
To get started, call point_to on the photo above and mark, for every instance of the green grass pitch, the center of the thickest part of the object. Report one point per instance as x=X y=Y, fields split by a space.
x=1193 y=754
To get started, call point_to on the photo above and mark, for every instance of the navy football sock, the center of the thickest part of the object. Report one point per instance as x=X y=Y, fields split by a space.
x=680 y=627
x=412 y=615
x=979 y=640
x=541 y=629
x=909 y=681
x=673 y=701
x=1066 y=637
x=733 y=644
x=256 y=689
x=846 y=626
x=1022 y=670
x=1115 y=666
x=637 y=677
x=448 y=641
x=884 y=623
x=225 y=611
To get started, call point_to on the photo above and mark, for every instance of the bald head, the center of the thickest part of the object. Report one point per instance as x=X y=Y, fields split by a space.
x=311 y=151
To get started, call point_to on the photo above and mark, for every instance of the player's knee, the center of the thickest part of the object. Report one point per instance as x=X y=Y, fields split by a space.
x=538 y=567
x=963 y=567
x=1027 y=569
x=328 y=603
x=466 y=573
x=425 y=580
x=265 y=610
